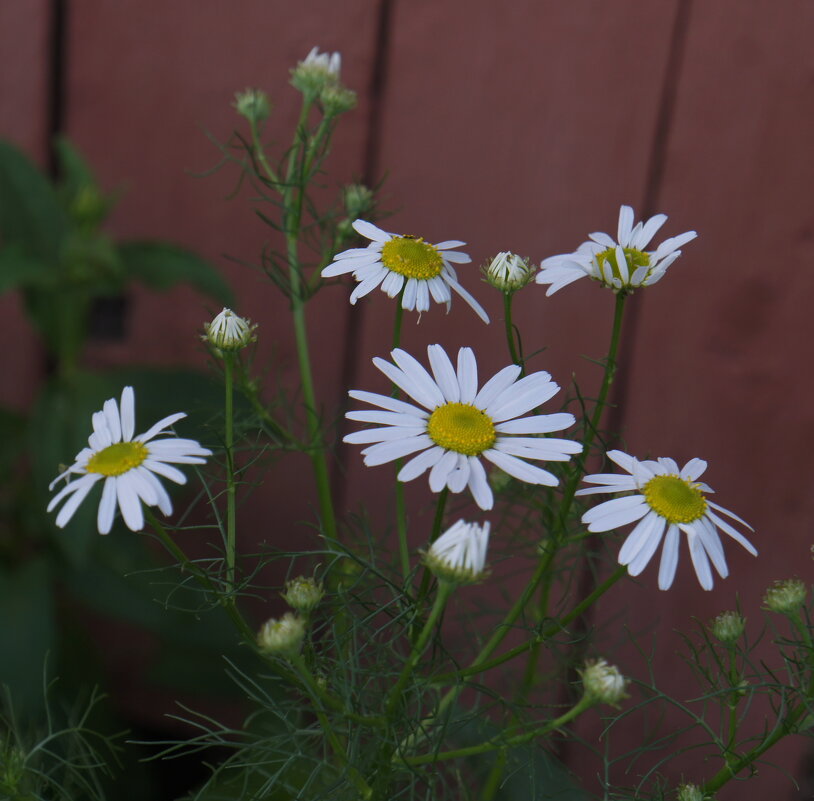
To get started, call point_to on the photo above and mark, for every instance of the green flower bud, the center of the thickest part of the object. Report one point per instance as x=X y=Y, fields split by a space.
x=603 y=683
x=785 y=596
x=337 y=100
x=359 y=201
x=727 y=627
x=253 y=104
x=316 y=72
x=459 y=554
x=690 y=792
x=303 y=594
x=282 y=636
x=229 y=332
x=508 y=272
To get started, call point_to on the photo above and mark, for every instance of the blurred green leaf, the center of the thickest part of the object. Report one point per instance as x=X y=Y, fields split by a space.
x=30 y=213
x=20 y=269
x=26 y=631
x=78 y=189
x=161 y=266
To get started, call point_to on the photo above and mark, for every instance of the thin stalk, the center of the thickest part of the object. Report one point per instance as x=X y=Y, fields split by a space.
x=260 y=154
x=229 y=443
x=434 y=534
x=510 y=335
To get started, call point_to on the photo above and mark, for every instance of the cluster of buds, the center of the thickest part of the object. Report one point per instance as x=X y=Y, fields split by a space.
x=603 y=683
x=785 y=596
x=727 y=627
x=690 y=792
x=253 y=104
x=317 y=77
x=229 y=332
x=458 y=556
x=508 y=272
x=303 y=594
x=282 y=636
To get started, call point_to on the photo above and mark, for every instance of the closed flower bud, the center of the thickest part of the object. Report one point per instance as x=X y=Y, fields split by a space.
x=785 y=596
x=359 y=201
x=303 y=594
x=603 y=682
x=337 y=100
x=282 y=636
x=689 y=792
x=727 y=627
x=459 y=554
x=508 y=272
x=316 y=72
x=229 y=332
x=253 y=104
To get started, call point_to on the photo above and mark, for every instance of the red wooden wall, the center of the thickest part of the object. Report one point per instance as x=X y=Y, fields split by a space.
x=518 y=126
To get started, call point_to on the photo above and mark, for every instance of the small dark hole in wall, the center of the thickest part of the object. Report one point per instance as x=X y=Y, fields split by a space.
x=109 y=317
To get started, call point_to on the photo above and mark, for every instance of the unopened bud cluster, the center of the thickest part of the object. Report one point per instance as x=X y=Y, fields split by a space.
x=690 y=792
x=303 y=594
x=282 y=636
x=727 y=627
x=229 y=332
x=508 y=272
x=317 y=77
x=603 y=682
x=253 y=104
x=785 y=596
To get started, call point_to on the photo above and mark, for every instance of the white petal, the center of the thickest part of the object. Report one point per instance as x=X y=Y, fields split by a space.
x=386 y=418
x=129 y=504
x=496 y=384
x=420 y=464
x=479 y=484
x=114 y=426
x=81 y=488
x=449 y=243
x=615 y=513
x=409 y=298
x=107 y=506
x=456 y=257
x=459 y=477
x=473 y=304
x=674 y=243
x=386 y=402
x=162 y=497
x=160 y=426
x=416 y=373
x=624 y=460
x=700 y=562
x=367 y=285
x=128 y=414
x=392 y=284
x=537 y=424
x=693 y=469
x=371 y=231
x=441 y=470
x=729 y=514
x=646 y=551
x=165 y=470
x=625 y=226
x=467 y=375
x=732 y=532
x=669 y=558
x=389 y=451
x=521 y=470
x=386 y=434
x=444 y=373
x=648 y=231
x=428 y=396
x=422 y=298
x=651 y=525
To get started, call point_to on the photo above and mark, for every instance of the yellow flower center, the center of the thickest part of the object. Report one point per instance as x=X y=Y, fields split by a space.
x=634 y=258
x=461 y=427
x=412 y=257
x=676 y=500
x=117 y=458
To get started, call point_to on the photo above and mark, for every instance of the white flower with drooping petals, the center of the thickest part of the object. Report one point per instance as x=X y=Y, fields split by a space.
x=407 y=263
x=459 y=554
x=129 y=466
x=622 y=264
x=455 y=424
x=316 y=72
x=666 y=498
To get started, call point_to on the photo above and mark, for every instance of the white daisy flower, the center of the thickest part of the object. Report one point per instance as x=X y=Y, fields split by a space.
x=459 y=554
x=316 y=72
x=665 y=498
x=397 y=262
x=229 y=331
x=455 y=424
x=621 y=264
x=129 y=465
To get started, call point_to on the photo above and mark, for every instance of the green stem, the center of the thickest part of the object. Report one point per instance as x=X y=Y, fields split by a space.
x=434 y=534
x=401 y=511
x=510 y=334
x=394 y=697
x=260 y=153
x=508 y=742
x=229 y=442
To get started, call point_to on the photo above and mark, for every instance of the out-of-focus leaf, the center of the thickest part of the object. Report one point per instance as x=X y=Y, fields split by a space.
x=81 y=196
x=30 y=213
x=161 y=266
x=19 y=269
x=26 y=631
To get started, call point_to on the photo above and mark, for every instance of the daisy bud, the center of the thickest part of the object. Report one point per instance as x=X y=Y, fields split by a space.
x=359 y=200
x=253 y=104
x=229 y=332
x=318 y=71
x=459 y=554
x=727 y=627
x=337 y=100
x=282 y=636
x=508 y=272
x=603 y=683
x=785 y=596
x=690 y=792
x=303 y=594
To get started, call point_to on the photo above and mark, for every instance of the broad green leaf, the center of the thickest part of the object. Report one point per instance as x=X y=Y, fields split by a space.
x=27 y=631
x=30 y=213
x=19 y=269
x=161 y=266
x=80 y=193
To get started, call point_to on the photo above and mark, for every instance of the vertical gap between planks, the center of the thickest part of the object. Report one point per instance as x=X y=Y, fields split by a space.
x=57 y=71
x=370 y=177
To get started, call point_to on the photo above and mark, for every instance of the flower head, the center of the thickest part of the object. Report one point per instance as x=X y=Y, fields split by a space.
x=229 y=332
x=129 y=466
x=689 y=792
x=785 y=596
x=281 y=636
x=459 y=554
x=665 y=498
x=727 y=627
x=508 y=272
x=253 y=104
x=455 y=424
x=406 y=263
x=622 y=264
x=603 y=682
x=303 y=593
x=316 y=72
